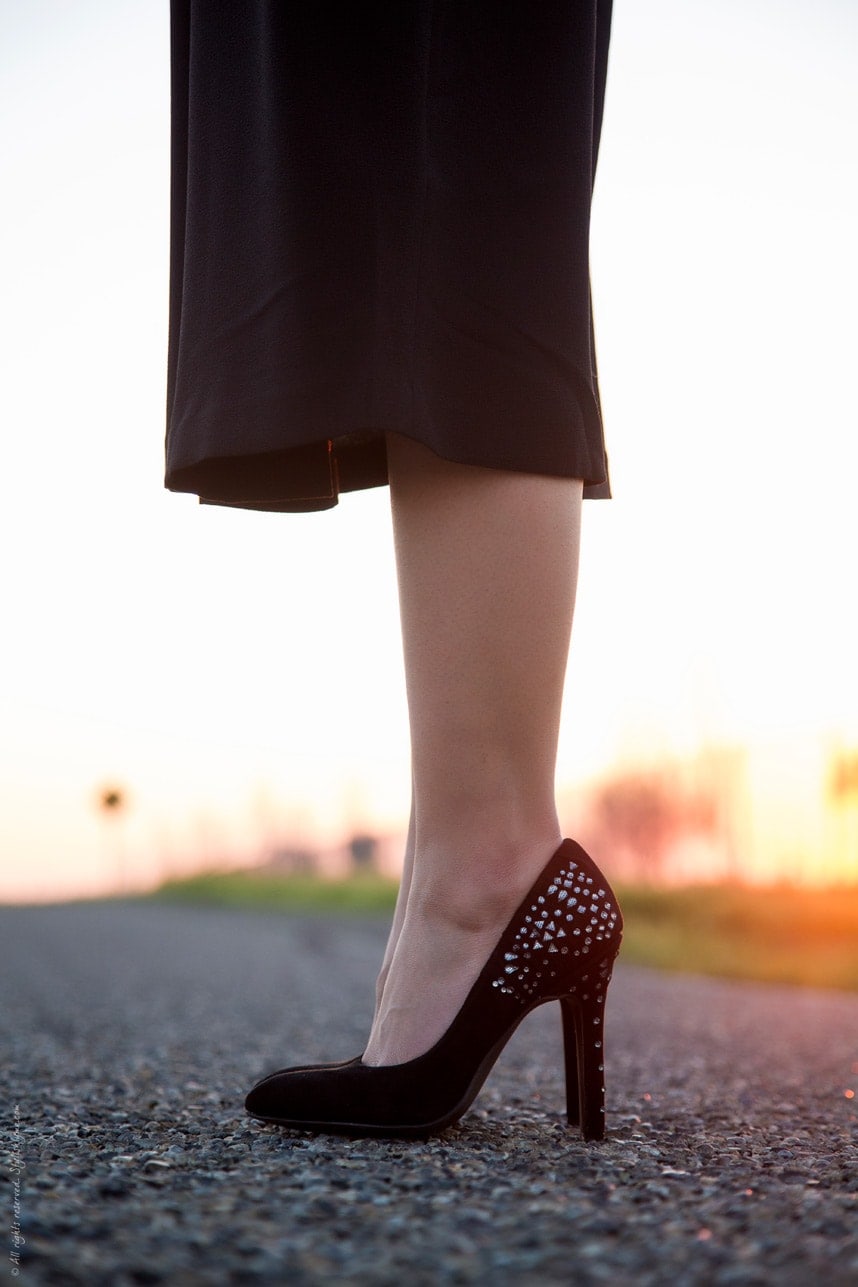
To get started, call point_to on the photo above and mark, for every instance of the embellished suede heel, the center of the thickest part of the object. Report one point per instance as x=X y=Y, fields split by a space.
x=559 y=946
x=583 y=1014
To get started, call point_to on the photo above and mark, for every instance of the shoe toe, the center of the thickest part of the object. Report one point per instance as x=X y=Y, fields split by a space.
x=289 y=1096
x=261 y=1099
x=281 y=1094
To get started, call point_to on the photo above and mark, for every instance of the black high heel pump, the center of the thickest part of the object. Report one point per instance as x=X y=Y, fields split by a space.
x=559 y=946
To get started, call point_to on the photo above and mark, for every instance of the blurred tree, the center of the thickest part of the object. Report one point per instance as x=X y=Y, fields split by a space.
x=844 y=776
x=843 y=789
x=645 y=814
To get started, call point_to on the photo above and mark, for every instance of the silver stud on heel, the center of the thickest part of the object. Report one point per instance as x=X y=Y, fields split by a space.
x=566 y=901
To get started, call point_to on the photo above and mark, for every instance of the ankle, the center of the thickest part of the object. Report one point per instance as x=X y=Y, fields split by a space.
x=474 y=885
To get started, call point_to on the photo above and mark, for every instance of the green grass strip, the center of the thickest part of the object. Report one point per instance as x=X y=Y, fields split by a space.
x=360 y=894
x=776 y=934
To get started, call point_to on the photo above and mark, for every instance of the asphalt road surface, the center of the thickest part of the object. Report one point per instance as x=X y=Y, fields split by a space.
x=130 y=1033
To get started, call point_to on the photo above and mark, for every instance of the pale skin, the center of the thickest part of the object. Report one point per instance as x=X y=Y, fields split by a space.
x=487 y=565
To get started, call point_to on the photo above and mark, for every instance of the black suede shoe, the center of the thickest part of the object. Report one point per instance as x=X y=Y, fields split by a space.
x=559 y=946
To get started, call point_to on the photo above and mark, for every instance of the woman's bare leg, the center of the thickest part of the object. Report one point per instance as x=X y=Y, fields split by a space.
x=399 y=913
x=487 y=563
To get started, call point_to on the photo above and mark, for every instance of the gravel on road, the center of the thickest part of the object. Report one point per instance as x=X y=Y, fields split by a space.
x=131 y=1032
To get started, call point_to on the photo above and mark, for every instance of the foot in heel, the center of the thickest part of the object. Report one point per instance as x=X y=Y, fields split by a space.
x=559 y=945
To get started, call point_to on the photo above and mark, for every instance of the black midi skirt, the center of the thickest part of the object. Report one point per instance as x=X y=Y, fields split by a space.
x=380 y=223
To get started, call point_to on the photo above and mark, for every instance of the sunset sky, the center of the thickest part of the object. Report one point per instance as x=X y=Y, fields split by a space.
x=240 y=674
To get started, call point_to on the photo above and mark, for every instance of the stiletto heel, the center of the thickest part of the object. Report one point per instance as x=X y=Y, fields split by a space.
x=559 y=946
x=570 y=1059
x=583 y=1014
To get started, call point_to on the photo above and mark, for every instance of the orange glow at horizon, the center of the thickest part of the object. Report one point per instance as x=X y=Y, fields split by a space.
x=771 y=817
